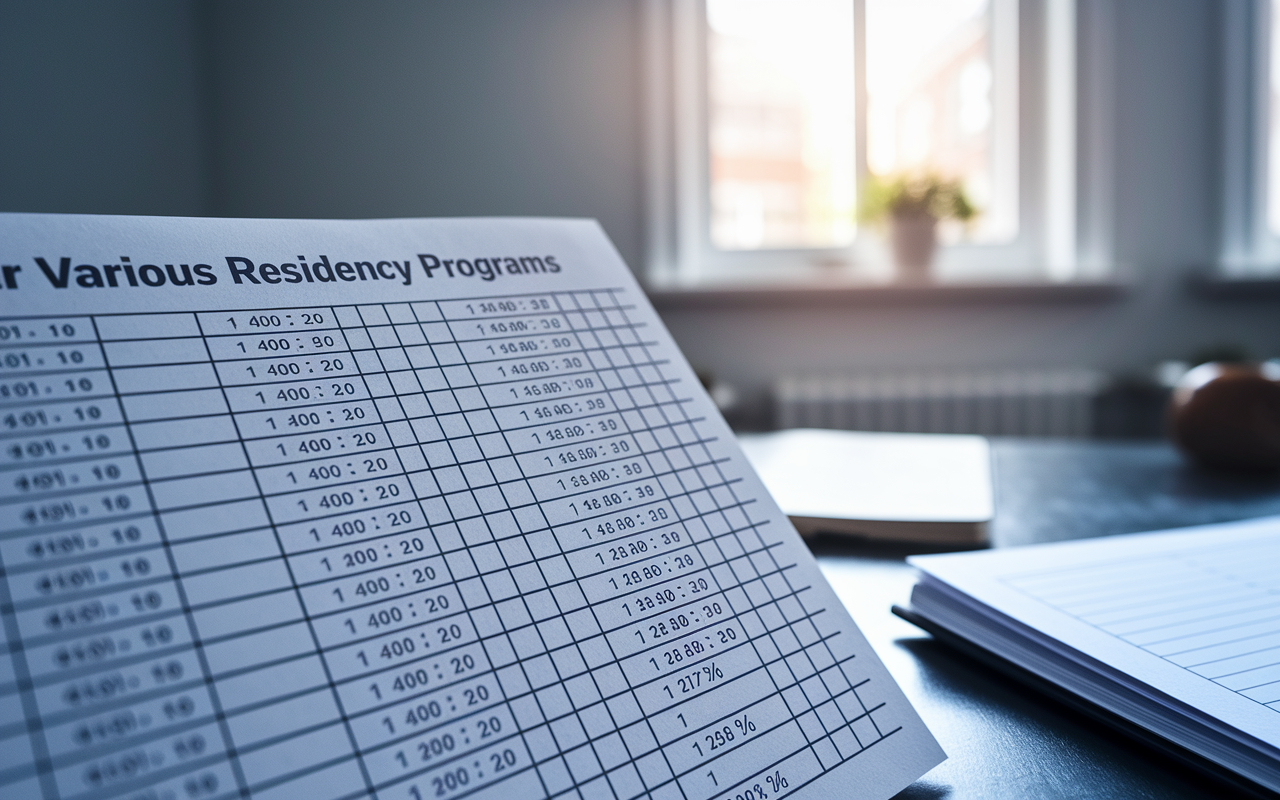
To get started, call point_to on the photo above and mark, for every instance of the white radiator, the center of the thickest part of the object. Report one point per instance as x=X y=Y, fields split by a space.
x=1008 y=403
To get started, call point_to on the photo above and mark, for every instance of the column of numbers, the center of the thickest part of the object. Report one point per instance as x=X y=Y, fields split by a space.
x=686 y=644
x=311 y=434
x=824 y=695
x=436 y=703
x=582 y=467
x=518 y=352
x=94 y=594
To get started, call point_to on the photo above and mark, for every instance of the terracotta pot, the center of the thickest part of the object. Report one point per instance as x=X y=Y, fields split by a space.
x=915 y=240
x=1228 y=415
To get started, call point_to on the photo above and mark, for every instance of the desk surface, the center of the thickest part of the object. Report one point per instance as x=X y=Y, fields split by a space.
x=1003 y=740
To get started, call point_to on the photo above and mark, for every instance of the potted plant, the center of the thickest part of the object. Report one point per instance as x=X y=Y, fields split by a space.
x=912 y=204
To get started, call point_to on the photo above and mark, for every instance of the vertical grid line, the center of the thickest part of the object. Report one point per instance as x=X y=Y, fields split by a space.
x=197 y=644
x=465 y=548
x=605 y=355
x=284 y=556
x=793 y=592
x=714 y=538
x=41 y=762
x=589 y=670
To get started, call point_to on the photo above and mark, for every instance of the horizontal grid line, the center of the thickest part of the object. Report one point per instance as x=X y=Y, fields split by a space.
x=730 y=533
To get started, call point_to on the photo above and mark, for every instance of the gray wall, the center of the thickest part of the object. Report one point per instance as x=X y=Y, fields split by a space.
x=102 y=108
x=397 y=108
x=442 y=108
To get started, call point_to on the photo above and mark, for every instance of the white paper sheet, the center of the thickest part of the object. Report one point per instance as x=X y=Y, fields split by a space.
x=1192 y=614
x=923 y=477
x=401 y=508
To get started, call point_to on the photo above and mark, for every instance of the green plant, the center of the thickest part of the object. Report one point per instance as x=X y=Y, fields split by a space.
x=914 y=194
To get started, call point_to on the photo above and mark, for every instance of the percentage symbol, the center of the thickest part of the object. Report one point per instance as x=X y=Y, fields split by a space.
x=776 y=781
x=745 y=725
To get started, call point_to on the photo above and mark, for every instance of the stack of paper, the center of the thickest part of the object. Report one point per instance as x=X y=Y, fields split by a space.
x=916 y=487
x=1175 y=635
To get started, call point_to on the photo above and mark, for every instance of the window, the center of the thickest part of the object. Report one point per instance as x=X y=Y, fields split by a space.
x=1251 y=140
x=1273 y=123
x=767 y=118
x=933 y=101
x=780 y=124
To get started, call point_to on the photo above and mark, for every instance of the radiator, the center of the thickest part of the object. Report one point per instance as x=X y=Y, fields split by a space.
x=1008 y=403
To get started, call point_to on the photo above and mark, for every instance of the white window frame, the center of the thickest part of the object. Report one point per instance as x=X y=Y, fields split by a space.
x=1063 y=234
x=1248 y=248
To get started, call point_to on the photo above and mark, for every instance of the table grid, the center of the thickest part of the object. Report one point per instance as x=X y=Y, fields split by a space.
x=1213 y=612
x=487 y=552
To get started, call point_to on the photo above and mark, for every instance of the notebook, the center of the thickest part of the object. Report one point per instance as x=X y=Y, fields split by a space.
x=1175 y=635
x=402 y=509
x=928 y=488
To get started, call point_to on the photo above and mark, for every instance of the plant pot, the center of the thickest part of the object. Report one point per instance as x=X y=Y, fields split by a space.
x=915 y=239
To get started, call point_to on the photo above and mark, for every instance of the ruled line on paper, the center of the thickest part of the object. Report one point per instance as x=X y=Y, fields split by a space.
x=1214 y=612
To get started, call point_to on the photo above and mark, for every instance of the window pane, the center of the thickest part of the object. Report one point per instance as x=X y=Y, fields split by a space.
x=932 y=103
x=781 y=106
x=1273 y=143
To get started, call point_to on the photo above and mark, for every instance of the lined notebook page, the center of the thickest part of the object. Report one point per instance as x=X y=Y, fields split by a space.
x=1214 y=610
x=400 y=509
x=1194 y=613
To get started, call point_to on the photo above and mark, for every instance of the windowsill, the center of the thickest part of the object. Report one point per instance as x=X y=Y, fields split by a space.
x=1218 y=286
x=724 y=294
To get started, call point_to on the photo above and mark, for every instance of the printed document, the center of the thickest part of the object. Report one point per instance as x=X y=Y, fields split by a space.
x=411 y=509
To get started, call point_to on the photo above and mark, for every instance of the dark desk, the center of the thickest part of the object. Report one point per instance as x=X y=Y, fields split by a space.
x=1005 y=741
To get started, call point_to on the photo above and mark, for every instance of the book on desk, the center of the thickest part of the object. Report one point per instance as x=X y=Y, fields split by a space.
x=925 y=488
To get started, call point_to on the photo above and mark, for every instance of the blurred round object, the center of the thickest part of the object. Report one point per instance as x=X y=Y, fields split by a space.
x=1227 y=416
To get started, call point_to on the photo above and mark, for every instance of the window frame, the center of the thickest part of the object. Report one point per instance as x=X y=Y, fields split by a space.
x=1248 y=247
x=1049 y=246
